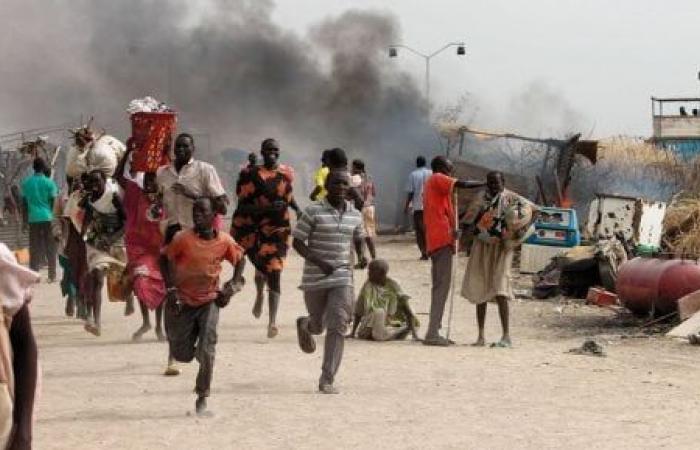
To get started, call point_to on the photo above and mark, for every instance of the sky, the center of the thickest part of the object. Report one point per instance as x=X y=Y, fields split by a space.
x=539 y=67
x=597 y=62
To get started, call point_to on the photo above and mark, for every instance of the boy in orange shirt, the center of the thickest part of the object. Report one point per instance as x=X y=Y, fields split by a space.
x=441 y=235
x=193 y=297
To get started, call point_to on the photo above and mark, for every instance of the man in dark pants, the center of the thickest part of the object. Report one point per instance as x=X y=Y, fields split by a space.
x=38 y=193
x=323 y=237
x=414 y=190
x=441 y=237
x=181 y=182
x=194 y=260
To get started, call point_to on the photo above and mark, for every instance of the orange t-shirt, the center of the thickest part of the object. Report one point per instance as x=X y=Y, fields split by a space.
x=197 y=264
x=438 y=211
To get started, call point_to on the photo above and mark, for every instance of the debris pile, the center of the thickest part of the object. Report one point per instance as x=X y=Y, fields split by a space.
x=578 y=269
x=681 y=235
x=589 y=348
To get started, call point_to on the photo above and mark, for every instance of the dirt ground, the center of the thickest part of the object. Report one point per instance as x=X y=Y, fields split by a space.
x=108 y=393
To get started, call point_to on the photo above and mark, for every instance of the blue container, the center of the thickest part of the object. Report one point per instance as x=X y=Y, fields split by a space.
x=557 y=227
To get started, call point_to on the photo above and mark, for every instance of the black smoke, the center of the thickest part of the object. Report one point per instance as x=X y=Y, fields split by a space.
x=235 y=76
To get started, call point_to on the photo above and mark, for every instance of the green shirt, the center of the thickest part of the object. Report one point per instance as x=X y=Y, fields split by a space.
x=373 y=296
x=388 y=298
x=39 y=191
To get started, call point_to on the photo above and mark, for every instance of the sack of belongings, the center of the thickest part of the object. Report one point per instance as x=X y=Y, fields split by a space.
x=104 y=154
x=101 y=154
x=75 y=161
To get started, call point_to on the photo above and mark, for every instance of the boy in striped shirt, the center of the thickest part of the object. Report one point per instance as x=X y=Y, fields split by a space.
x=323 y=237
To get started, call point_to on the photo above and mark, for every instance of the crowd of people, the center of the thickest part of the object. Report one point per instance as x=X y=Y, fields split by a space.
x=160 y=237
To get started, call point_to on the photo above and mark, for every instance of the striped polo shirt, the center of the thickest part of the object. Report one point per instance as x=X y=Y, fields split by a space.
x=328 y=233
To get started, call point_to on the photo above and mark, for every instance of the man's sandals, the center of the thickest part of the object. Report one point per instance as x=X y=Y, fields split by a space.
x=438 y=341
x=305 y=339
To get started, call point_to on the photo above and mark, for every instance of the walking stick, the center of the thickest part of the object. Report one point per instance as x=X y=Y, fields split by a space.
x=454 y=267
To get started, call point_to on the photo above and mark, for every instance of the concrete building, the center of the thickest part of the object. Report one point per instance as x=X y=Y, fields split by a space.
x=676 y=124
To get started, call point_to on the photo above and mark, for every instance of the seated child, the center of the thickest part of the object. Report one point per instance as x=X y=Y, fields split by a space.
x=382 y=312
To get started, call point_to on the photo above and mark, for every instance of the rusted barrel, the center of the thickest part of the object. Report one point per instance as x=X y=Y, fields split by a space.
x=647 y=285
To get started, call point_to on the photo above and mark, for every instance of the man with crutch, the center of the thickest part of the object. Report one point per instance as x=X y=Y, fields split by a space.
x=441 y=237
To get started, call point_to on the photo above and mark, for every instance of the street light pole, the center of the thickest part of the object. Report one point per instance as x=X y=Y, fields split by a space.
x=393 y=53
x=427 y=82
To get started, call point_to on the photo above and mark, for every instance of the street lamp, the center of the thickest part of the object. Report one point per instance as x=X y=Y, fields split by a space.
x=394 y=52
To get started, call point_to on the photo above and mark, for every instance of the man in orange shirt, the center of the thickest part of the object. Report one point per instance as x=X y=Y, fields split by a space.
x=441 y=236
x=193 y=298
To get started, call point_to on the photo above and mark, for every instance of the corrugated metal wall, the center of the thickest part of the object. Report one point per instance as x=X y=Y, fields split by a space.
x=685 y=148
x=11 y=235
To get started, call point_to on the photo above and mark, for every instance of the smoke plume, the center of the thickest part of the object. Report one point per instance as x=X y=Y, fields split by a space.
x=538 y=104
x=234 y=76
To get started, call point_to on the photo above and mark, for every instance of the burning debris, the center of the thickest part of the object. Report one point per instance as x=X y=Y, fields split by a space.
x=557 y=160
x=621 y=186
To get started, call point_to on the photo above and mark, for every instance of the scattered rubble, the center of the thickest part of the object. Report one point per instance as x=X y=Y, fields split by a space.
x=688 y=327
x=589 y=348
x=689 y=305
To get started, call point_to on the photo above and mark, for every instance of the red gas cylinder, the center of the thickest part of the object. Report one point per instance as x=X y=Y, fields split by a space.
x=647 y=285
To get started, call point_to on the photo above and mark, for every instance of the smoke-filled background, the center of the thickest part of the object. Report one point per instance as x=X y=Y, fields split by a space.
x=234 y=76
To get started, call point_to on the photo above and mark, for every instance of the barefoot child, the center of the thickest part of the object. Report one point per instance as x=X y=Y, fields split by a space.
x=382 y=312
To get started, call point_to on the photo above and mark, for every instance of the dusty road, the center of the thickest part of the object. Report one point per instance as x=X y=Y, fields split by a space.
x=108 y=392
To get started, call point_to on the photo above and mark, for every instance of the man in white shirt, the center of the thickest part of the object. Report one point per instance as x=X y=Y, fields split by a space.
x=184 y=180
x=414 y=190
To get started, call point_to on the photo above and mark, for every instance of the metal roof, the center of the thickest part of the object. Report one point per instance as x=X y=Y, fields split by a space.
x=675 y=99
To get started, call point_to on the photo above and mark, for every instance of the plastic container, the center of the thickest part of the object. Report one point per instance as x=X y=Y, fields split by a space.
x=601 y=297
x=22 y=256
x=118 y=285
x=151 y=136
x=646 y=250
x=556 y=227
x=654 y=286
